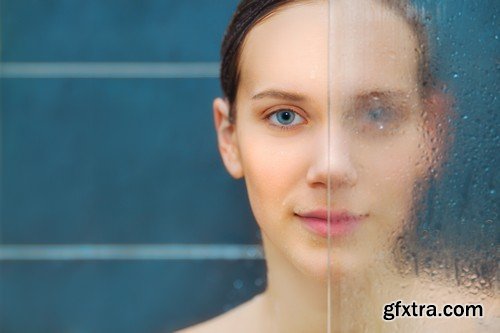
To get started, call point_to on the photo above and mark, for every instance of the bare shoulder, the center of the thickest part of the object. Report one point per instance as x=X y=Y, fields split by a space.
x=243 y=318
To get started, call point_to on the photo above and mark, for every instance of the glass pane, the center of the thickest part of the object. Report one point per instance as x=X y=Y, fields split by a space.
x=413 y=156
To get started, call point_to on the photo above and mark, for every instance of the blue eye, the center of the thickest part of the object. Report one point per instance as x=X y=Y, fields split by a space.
x=376 y=114
x=285 y=118
x=380 y=117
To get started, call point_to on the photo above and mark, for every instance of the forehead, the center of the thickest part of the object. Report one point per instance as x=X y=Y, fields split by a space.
x=364 y=46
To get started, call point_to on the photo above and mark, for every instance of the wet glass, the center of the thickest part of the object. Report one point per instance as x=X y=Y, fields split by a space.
x=413 y=166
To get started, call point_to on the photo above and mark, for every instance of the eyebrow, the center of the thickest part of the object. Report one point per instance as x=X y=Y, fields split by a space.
x=279 y=94
x=383 y=94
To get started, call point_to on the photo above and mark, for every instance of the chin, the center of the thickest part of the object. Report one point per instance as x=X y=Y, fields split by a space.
x=342 y=265
x=317 y=270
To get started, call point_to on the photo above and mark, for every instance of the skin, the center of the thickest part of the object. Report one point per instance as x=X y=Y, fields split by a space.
x=377 y=150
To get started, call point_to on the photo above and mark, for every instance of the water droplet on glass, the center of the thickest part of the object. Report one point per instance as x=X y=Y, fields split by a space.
x=259 y=282
x=238 y=284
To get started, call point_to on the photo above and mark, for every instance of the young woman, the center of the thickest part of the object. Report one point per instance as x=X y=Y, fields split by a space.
x=331 y=118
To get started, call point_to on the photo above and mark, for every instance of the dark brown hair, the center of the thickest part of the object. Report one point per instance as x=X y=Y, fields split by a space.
x=251 y=12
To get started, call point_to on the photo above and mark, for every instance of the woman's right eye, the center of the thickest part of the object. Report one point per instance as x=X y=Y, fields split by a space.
x=285 y=118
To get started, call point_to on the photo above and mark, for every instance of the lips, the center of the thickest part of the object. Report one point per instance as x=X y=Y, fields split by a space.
x=341 y=222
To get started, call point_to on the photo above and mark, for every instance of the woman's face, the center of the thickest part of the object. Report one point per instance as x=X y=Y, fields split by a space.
x=367 y=148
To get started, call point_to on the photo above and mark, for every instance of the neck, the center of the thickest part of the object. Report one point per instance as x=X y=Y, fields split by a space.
x=295 y=302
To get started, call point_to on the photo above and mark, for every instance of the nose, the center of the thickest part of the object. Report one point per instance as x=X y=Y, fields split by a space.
x=332 y=158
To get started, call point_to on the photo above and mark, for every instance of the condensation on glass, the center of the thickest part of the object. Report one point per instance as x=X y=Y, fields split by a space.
x=413 y=166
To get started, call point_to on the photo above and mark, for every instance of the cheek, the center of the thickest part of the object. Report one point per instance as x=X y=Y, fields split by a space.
x=391 y=170
x=273 y=167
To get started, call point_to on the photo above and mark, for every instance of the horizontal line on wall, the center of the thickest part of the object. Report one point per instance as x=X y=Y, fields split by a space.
x=131 y=252
x=109 y=70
